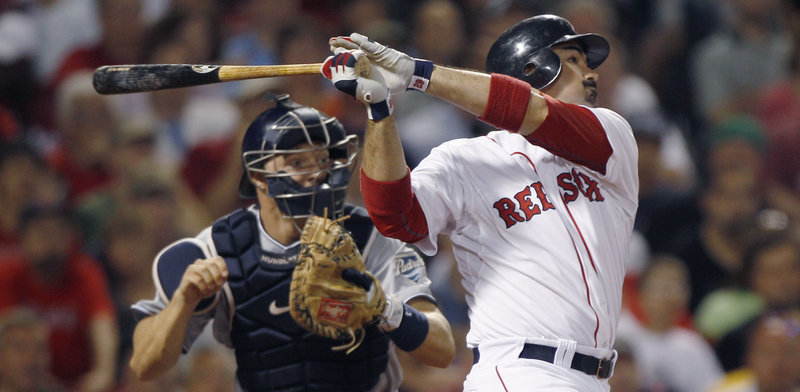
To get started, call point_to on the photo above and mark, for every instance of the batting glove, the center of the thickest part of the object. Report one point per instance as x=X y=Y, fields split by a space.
x=401 y=71
x=372 y=90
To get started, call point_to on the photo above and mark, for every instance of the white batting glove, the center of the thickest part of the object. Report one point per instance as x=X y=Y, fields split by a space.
x=372 y=90
x=401 y=71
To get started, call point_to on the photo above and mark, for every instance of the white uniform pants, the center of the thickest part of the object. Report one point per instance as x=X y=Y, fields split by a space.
x=501 y=370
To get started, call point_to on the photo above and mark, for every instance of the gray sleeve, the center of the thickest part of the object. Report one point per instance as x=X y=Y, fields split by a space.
x=398 y=266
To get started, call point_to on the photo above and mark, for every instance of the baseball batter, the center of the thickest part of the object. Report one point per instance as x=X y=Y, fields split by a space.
x=539 y=212
x=237 y=273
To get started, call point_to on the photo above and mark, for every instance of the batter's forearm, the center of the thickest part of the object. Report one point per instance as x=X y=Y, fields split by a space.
x=158 y=339
x=470 y=91
x=384 y=159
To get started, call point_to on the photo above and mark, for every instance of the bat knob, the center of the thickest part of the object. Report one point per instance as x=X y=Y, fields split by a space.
x=363 y=68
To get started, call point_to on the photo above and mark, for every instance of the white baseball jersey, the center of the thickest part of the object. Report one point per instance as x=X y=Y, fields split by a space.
x=540 y=241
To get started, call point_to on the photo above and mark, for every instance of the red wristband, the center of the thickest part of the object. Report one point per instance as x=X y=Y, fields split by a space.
x=508 y=102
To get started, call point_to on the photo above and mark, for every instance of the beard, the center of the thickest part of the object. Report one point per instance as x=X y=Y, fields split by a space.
x=590 y=92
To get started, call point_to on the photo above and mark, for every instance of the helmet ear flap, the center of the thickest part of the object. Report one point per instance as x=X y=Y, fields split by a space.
x=545 y=65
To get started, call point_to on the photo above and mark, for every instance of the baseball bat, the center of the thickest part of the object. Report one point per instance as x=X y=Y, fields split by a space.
x=122 y=79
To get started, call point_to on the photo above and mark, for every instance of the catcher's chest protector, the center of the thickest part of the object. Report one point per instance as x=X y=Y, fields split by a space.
x=273 y=352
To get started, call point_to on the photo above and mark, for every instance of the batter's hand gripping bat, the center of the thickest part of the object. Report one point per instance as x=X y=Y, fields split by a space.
x=121 y=79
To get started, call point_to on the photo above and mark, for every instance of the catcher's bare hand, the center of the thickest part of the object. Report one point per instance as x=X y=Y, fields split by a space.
x=203 y=279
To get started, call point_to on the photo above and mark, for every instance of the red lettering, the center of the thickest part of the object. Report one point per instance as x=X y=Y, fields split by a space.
x=507 y=210
x=525 y=203
x=576 y=176
x=546 y=204
x=573 y=184
x=570 y=190
x=592 y=192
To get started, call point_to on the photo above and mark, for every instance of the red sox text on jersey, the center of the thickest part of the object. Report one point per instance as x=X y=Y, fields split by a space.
x=522 y=206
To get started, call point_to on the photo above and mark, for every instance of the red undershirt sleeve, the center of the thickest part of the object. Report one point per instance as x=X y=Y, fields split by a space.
x=394 y=208
x=574 y=133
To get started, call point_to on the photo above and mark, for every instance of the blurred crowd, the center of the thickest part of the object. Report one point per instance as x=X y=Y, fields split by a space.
x=92 y=186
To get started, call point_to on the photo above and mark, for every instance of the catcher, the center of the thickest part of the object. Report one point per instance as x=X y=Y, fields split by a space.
x=303 y=288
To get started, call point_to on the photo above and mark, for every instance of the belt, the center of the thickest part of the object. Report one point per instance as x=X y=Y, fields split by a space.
x=601 y=368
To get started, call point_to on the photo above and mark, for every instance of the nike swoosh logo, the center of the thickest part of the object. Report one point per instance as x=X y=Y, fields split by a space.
x=275 y=310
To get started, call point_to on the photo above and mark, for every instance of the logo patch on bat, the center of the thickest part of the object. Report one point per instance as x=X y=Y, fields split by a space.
x=204 y=68
x=334 y=311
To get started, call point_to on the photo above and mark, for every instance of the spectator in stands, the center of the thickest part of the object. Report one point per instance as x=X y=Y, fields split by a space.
x=134 y=168
x=770 y=281
x=19 y=43
x=661 y=36
x=663 y=187
x=61 y=28
x=733 y=206
x=771 y=363
x=122 y=31
x=24 y=354
x=70 y=291
x=778 y=108
x=747 y=53
x=660 y=344
x=255 y=28
x=85 y=122
x=185 y=117
x=24 y=178
x=127 y=258
x=628 y=375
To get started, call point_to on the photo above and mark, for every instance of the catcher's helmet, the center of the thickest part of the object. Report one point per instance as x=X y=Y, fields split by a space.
x=280 y=130
x=528 y=43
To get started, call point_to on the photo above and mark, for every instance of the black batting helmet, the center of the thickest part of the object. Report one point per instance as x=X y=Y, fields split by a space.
x=528 y=43
x=280 y=130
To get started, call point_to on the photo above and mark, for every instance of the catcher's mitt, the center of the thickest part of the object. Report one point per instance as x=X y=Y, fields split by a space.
x=320 y=299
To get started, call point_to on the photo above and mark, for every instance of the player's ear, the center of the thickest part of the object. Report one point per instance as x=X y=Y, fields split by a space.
x=259 y=182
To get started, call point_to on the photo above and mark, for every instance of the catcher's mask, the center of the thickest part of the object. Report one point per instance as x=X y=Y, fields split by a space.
x=527 y=45
x=283 y=129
